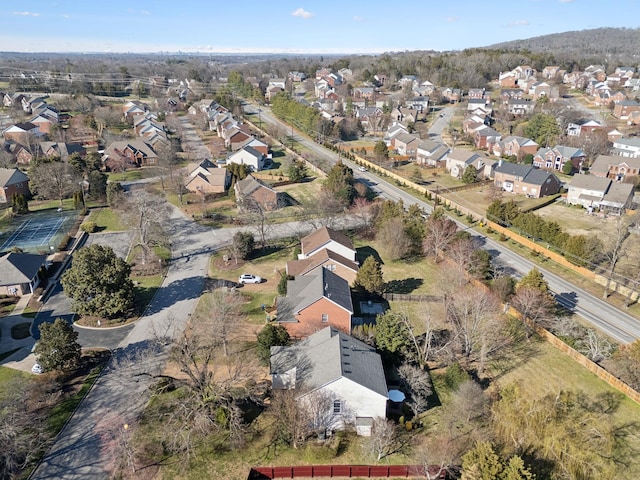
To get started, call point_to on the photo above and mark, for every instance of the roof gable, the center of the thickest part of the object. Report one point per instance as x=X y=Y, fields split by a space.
x=329 y=355
x=321 y=237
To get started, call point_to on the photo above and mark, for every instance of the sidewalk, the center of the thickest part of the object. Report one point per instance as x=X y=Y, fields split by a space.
x=23 y=359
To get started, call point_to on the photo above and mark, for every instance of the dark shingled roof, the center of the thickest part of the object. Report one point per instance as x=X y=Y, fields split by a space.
x=327 y=356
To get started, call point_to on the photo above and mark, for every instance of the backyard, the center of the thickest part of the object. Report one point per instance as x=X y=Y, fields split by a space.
x=535 y=365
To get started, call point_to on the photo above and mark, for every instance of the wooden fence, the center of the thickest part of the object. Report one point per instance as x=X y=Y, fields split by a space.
x=581 y=359
x=408 y=297
x=333 y=471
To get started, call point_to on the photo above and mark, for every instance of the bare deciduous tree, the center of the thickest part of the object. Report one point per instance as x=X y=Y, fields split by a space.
x=474 y=315
x=535 y=305
x=392 y=235
x=418 y=383
x=146 y=211
x=595 y=346
x=222 y=309
x=54 y=180
x=614 y=249
x=469 y=401
x=383 y=439
x=440 y=232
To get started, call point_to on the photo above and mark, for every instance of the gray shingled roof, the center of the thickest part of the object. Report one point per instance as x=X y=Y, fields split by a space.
x=537 y=176
x=11 y=176
x=305 y=290
x=515 y=169
x=327 y=356
x=16 y=268
x=590 y=182
x=618 y=195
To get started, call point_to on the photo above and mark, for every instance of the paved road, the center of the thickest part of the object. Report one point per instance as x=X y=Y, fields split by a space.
x=192 y=142
x=83 y=449
x=612 y=321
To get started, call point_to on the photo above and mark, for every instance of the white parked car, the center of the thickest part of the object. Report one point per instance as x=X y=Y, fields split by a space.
x=362 y=169
x=37 y=368
x=248 y=278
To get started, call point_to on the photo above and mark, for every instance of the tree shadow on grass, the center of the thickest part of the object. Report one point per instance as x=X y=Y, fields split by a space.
x=362 y=253
x=406 y=285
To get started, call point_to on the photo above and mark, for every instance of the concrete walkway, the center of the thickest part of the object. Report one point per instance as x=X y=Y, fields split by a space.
x=23 y=359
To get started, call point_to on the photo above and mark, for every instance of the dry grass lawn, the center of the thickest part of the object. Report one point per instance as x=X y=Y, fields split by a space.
x=575 y=220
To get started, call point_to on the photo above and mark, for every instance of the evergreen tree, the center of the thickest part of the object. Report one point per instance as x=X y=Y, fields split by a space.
x=534 y=280
x=470 y=175
x=369 y=276
x=57 y=348
x=98 y=283
x=270 y=336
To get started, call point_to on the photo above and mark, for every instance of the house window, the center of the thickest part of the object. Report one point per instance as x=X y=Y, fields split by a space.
x=337 y=406
x=18 y=185
x=325 y=317
x=331 y=267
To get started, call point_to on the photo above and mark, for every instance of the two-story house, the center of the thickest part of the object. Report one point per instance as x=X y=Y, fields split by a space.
x=615 y=167
x=555 y=158
x=13 y=181
x=340 y=380
x=314 y=301
x=599 y=193
x=525 y=180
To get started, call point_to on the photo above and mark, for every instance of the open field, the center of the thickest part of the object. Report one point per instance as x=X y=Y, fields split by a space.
x=476 y=199
x=575 y=220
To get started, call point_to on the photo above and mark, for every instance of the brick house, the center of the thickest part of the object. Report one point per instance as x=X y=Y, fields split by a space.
x=615 y=167
x=525 y=180
x=125 y=154
x=484 y=137
x=555 y=158
x=252 y=193
x=314 y=301
x=13 y=181
x=622 y=110
x=516 y=146
x=207 y=178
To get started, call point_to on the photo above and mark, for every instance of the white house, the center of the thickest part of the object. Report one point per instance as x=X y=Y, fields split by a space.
x=627 y=147
x=248 y=156
x=341 y=380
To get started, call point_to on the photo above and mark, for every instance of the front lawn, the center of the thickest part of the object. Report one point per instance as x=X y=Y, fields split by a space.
x=107 y=220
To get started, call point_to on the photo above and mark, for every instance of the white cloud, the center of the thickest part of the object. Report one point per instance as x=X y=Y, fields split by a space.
x=452 y=19
x=518 y=23
x=358 y=18
x=27 y=14
x=145 y=12
x=301 y=12
x=565 y=1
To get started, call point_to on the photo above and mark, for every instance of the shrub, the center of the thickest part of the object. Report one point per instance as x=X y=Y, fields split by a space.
x=89 y=227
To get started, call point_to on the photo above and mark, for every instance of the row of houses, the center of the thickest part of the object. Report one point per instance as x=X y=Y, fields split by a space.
x=342 y=377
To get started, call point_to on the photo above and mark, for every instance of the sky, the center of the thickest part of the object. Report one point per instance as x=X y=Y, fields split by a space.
x=300 y=26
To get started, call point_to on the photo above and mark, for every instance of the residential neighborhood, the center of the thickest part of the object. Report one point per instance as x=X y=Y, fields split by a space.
x=304 y=266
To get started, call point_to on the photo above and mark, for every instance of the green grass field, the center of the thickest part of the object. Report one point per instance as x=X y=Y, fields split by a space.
x=107 y=220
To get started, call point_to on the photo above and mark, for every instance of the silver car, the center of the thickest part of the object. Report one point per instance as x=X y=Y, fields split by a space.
x=248 y=278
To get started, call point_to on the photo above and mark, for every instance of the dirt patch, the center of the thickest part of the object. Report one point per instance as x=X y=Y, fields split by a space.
x=153 y=265
x=219 y=263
